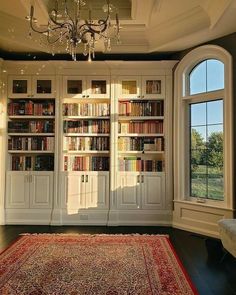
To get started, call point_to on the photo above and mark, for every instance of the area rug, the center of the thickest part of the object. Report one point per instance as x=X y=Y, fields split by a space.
x=51 y=264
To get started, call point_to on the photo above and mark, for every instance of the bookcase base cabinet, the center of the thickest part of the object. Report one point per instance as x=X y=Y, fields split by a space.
x=84 y=197
x=141 y=190
x=29 y=192
x=29 y=189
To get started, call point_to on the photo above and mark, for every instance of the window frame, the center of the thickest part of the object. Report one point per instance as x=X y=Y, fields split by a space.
x=182 y=100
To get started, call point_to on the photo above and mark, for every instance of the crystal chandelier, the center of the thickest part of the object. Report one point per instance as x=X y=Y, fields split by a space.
x=68 y=29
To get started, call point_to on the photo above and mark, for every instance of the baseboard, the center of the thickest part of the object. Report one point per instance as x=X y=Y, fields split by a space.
x=140 y=217
x=28 y=216
x=196 y=230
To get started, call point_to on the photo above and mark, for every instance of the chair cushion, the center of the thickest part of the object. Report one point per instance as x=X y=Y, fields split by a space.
x=227 y=230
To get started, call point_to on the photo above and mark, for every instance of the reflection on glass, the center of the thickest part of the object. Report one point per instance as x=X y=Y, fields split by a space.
x=98 y=86
x=44 y=86
x=198 y=79
x=198 y=114
x=129 y=87
x=153 y=86
x=215 y=75
x=215 y=112
x=19 y=86
x=74 y=86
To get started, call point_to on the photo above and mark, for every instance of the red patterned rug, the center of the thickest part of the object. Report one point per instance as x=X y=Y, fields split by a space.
x=50 y=264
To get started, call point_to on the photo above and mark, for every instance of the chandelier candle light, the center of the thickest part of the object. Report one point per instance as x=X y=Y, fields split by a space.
x=70 y=30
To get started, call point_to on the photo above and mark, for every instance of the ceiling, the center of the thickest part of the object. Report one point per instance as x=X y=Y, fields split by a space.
x=148 y=26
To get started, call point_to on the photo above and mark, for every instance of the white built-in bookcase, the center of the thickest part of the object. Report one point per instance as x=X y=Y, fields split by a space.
x=88 y=143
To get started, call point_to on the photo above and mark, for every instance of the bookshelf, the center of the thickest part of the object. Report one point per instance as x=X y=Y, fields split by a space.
x=88 y=143
x=31 y=113
x=85 y=143
x=140 y=165
x=86 y=131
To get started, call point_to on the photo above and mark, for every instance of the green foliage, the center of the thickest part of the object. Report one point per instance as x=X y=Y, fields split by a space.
x=215 y=147
x=207 y=163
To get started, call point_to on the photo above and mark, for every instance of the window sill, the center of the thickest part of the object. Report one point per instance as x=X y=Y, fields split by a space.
x=218 y=205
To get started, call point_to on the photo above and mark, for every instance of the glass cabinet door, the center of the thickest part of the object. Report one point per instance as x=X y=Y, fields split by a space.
x=129 y=87
x=153 y=87
x=43 y=87
x=98 y=87
x=74 y=87
x=19 y=86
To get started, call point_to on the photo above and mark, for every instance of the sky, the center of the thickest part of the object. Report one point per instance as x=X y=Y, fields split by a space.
x=207 y=117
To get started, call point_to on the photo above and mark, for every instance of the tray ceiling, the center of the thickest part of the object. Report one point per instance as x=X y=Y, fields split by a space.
x=147 y=26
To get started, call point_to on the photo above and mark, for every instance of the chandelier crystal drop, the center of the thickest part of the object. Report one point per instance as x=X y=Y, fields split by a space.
x=68 y=29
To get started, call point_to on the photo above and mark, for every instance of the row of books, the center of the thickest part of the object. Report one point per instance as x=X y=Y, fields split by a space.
x=30 y=108
x=86 y=143
x=140 y=144
x=87 y=126
x=32 y=163
x=31 y=143
x=86 y=109
x=141 y=127
x=38 y=126
x=78 y=163
x=150 y=108
x=139 y=165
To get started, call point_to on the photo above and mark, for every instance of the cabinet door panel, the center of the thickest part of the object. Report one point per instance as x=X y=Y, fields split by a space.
x=153 y=87
x=97 y=191
x=19 y=86
x=43 y=87
x=153 y=192
x=41 y=190
x=98 y=87
x=74 y=87
x=74 y=192
x=17 y=190
x=128 y=192
x=129 y=87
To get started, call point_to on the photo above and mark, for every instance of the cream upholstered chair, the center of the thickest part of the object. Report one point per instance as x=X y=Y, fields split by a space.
x=227 y=230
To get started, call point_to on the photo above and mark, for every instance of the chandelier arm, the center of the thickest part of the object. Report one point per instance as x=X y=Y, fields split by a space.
x=54 y=41
x=89 y=27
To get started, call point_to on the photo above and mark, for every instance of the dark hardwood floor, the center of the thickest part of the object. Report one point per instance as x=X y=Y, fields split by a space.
x=200 y=256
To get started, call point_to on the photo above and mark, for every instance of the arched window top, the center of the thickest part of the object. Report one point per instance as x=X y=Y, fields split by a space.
x=206 y=76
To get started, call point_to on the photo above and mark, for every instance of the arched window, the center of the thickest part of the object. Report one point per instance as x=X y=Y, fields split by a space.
x=203 y=128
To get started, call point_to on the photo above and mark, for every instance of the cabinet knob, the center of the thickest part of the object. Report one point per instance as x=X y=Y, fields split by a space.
x=83 y=96
x=32 y=95
x=138 y=179
x=142 y=96
x=87 y=96
x=82 y=178
x=142 y=177
x=86 y=178
x=138 y=96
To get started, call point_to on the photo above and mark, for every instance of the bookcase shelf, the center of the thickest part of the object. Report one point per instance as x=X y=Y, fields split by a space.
x=86 y=133
x=23 y=117
x=29 y=152
x=31 y=135
x=86 y=152
x=85 y=117
x=140 y=118
x=141 y=135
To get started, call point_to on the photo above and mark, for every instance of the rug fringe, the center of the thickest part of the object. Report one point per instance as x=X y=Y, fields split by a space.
x=92 y=235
